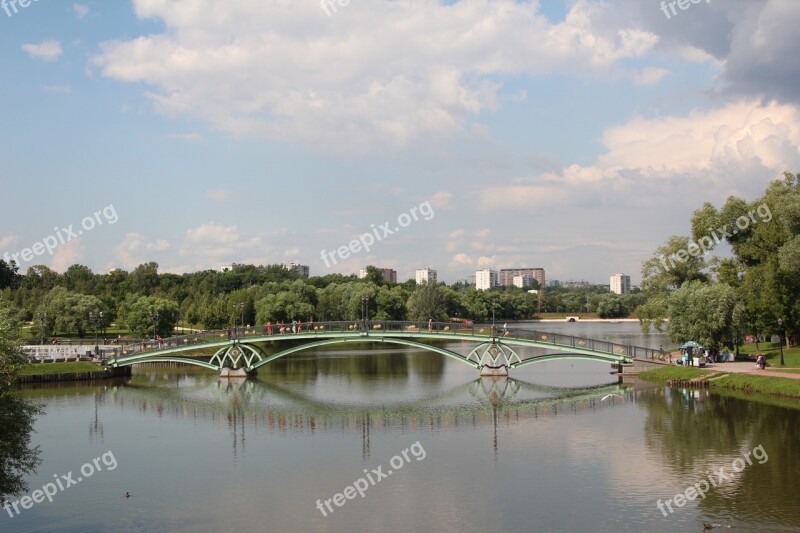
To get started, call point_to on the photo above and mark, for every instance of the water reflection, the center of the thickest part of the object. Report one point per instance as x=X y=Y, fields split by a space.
x=314 y=420
x=696 y=433
x=17 y=457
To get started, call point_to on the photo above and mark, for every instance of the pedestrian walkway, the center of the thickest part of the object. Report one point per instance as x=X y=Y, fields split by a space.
x=744 y=367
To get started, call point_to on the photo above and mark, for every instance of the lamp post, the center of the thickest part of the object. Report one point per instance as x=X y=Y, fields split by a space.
x=154 y=318
x=494 y=306
x=42 y=323
x=239 y=307
x=95 y=319
x=365 y=310
x=780 y=337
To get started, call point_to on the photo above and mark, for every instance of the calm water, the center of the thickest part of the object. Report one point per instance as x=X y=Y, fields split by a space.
x=558 y=447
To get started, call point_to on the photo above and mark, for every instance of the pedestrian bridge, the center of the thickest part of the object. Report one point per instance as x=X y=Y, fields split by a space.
x=242 y=351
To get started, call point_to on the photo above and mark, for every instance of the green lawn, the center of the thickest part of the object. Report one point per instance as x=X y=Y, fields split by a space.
x=791 y=356
x=738 y=382
x=58 y=368
x=667 y=373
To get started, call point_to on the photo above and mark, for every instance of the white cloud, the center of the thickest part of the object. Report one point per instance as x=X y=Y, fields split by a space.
x=213 y=243
x=80 y=10
x=734 y=149
x=46 y=50
x=220 y=195
x=136 y=249
x=8 y=240
x=286 y=71
x=461 y=260
x=442 y=200
x=67 y=254
x=649 y=75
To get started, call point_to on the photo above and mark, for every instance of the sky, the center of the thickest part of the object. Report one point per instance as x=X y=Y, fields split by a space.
x=575 y=136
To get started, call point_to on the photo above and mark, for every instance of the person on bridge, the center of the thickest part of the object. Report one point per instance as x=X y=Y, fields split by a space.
x=269 y=327
x=294 y=326
x=430 y=324
x=299 y=326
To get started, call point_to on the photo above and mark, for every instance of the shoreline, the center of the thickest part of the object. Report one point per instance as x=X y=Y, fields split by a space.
x=87 y=375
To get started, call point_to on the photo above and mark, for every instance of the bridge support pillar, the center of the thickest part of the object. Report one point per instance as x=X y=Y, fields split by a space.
x=236 y=373
x=487 y=370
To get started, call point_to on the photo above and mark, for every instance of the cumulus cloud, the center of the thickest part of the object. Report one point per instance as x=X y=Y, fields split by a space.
x=8 y=240
x=67 y=254
x=80 y=10
x=284 y=71
x=734 y=149
x=136 y=249
x=46 y=50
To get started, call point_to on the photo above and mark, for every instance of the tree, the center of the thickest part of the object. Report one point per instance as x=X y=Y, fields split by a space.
x=702 y=313
x=17 y=458
x=427 y=302
x=611 y=306
x=67 y=312
x=140 y=316
x=9 y=274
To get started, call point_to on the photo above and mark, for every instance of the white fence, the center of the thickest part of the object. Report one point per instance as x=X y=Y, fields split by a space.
x=55 y=353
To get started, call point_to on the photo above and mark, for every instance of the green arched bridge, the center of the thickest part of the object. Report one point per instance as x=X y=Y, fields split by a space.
x=241 y=351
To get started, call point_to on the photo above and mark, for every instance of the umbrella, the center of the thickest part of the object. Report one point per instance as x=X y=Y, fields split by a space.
x=691 y=344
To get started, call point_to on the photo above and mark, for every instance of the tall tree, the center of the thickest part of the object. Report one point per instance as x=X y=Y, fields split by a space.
x=17 y=458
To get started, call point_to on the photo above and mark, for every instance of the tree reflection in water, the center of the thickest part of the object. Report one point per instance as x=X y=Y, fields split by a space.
x=17 y=458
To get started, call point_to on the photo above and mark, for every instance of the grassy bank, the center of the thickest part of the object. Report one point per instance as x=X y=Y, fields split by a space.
x=775 y=386
x=41 y=369
x=668 y=373
x=791 y=356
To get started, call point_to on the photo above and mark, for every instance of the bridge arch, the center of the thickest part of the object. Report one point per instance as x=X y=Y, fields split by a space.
x=389 y=340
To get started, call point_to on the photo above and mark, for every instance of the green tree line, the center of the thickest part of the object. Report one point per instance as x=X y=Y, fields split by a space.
x=717 y=300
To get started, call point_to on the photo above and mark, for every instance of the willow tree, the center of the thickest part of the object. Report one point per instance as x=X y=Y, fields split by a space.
x=17 y=457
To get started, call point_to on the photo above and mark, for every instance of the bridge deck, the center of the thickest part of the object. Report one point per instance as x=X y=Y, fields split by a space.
x=408 y=333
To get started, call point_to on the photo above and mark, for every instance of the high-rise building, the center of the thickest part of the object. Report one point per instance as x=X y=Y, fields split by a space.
x=522 y=281
x=507 y=275
x=486 y=279
x=388 y=274
x=553 y=283
x=426 y=275
x=301 y=270
x=620 y=283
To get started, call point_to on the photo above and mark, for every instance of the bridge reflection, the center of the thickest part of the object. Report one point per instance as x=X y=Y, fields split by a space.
x=276 y=407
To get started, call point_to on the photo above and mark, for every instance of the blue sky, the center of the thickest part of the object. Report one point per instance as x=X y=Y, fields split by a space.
x=575 y=136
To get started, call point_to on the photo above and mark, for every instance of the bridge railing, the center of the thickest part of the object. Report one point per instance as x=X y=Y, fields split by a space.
x=424 y=327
